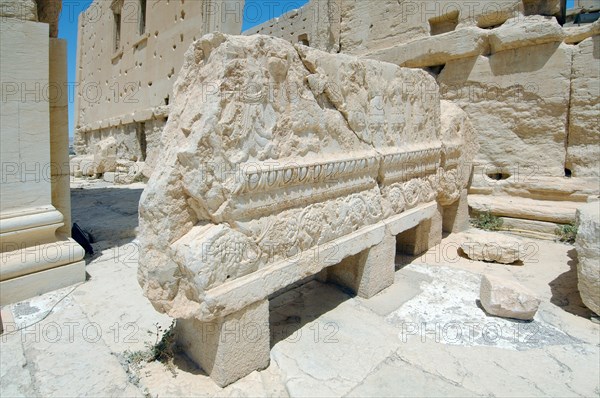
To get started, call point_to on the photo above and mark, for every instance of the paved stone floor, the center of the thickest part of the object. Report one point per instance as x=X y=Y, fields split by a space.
x=424 y=336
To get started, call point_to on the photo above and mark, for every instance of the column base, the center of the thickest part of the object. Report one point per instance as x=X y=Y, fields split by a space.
x=31 y=285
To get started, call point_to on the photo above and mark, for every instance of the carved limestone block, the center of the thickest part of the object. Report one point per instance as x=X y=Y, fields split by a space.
x=281 y=161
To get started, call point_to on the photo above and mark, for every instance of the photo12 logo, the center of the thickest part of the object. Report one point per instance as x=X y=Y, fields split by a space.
x=486 y=333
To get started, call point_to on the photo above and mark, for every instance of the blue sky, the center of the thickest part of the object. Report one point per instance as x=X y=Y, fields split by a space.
x=257 y=12
x=67 y=29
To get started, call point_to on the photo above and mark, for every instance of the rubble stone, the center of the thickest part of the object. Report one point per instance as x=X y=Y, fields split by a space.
x=507 y=299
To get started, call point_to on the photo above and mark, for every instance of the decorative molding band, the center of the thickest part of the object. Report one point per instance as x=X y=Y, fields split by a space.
x=233 y=296
x=29 y=218
x=39 y=258
x=266 y=177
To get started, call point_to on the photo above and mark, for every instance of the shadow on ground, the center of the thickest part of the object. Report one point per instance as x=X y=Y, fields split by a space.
x=288 y=313
x=107 y=214
x=565 y=293
x=292 y=310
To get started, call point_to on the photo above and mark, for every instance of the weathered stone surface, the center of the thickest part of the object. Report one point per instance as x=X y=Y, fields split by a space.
x=523 y=32
x=219 y=132
x=577 y=34
x=19 y=9
x=45 y=11
x=587 y=245
x=493 y=248
x=507 y=299
x=109 y=176
x=526 y=183
x=455 y=217
x=372 y=101
x=48 y=12
x=583 y=141
x=520 y=118
x=436 y=50
x=231 y=347
x=135 y=141
x=561 y=212
x=366 y=28
x=235 y=166
x=373 y=112
x=105 y=156
x=82 y=166
x=532 y=228
x=457 y=131
x=295 y=152
x=317 y=24
x=369 y=272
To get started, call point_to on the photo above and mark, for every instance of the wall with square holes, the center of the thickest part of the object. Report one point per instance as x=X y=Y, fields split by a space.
x=129 y=55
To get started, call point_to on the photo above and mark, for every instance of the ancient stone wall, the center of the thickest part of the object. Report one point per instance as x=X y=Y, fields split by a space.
x=529 y=86
x=583 y=141
x=316 y=24
x=366 y=28
x=546 y=98
x=504 y=51
x=129 y=54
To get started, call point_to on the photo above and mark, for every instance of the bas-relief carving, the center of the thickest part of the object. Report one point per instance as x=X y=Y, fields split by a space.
x=245 y=187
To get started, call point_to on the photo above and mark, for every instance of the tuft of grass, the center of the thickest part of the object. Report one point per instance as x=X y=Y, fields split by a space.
x=136 y=357
x=567 y=232
x=487 y=221
x=162 y=350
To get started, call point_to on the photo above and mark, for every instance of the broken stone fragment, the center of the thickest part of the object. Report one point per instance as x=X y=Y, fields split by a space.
x=528 y=31
x=325 y=149
x=105 y=156
x=507 y=299
x=495 y=248
x=244 y=181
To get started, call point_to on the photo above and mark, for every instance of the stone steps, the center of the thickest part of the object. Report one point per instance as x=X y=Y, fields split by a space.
x=528 y=204
x=548 y=211
x=530 y=228
x=522 y=183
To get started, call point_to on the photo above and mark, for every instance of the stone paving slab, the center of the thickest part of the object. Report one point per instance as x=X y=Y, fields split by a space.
x=324 y=341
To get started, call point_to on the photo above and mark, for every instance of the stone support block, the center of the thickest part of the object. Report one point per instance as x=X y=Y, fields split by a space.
x=456 y=216
x=368 y=272
x=229 y=347
x=422 y=237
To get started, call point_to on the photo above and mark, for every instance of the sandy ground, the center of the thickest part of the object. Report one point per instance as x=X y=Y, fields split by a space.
x=424 y=336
